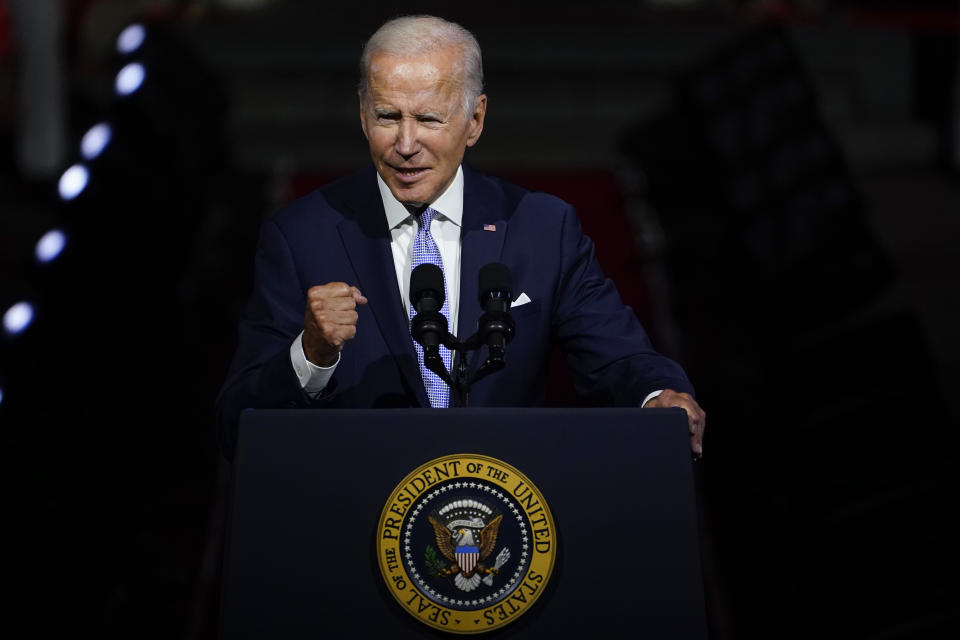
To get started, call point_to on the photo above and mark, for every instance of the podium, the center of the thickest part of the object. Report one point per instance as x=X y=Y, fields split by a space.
x=310 y=486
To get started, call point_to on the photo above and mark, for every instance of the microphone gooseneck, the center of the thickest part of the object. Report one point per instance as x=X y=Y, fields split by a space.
x=496 y=294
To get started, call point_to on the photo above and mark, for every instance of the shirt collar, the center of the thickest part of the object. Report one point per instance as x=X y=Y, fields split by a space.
x=449 y=204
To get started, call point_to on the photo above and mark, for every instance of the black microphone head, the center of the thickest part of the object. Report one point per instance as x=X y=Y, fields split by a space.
x=495 y=279
x=426 y=280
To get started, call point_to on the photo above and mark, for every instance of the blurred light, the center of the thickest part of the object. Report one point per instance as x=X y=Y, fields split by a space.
x=95 y=140
x=18 y=317
x=1 y=395
x=73 y=181
x=50 y=245
x=130 y=78
x=131 y=38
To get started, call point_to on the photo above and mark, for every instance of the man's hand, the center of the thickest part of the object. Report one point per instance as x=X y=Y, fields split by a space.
x=330 y=320
x=696 y=417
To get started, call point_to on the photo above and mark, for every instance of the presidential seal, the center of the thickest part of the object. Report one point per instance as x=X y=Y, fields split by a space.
x=466 y=543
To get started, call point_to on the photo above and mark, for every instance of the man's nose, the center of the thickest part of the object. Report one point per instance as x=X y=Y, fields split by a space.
x=407 y=144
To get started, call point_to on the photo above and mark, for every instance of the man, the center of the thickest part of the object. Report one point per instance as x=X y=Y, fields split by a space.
x=421 y=106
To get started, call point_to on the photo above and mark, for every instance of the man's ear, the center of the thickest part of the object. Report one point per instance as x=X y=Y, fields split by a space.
x=363 y=120
x=475 y=128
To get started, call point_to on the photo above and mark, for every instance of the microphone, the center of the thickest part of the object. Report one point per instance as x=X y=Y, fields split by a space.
x=496 y=294
x=429 y=326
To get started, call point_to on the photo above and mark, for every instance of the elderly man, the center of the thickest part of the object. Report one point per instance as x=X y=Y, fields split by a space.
x=328 y=321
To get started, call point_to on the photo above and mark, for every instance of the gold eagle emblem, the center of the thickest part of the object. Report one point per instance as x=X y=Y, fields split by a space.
x=448 y=541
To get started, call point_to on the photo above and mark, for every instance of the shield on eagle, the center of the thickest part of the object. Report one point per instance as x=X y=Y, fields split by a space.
x=467 y=558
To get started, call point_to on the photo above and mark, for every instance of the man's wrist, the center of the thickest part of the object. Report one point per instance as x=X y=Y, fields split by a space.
x=323 y=362
x=313 y=378
x=651 y=396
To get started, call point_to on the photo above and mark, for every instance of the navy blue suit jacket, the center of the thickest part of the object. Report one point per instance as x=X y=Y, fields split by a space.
x=339 y=233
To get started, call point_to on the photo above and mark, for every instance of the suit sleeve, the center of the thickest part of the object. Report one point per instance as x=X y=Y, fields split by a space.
x=261 y=375
x=605 y=346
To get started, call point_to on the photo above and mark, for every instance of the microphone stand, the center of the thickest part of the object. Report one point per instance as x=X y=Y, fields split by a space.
x=462 y=380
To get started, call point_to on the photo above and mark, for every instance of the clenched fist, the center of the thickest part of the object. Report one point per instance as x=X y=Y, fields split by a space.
x=330 y=320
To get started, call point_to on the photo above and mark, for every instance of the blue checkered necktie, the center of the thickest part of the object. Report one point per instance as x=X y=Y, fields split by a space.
x=425 y=251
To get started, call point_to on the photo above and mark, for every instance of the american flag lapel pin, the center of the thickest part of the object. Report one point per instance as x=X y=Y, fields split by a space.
x=489 y=227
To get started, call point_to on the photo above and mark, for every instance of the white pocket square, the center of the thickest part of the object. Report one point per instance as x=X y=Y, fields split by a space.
x=521 y=299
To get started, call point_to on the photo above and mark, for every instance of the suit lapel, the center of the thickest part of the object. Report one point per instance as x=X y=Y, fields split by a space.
x=482 y=206
x=366 y=240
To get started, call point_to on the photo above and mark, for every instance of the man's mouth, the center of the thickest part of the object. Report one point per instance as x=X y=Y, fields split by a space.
x=409 y=174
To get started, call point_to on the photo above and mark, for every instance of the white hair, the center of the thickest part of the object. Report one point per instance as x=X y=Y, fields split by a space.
x=414 y=35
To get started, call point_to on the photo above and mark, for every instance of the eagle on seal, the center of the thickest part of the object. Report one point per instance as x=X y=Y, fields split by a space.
x=460 y=546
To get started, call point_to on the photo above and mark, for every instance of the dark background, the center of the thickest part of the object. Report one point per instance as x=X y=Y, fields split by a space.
x=772 y=185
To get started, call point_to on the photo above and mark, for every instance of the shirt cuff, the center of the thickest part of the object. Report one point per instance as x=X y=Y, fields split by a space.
x=650 y=396
x=312 y=378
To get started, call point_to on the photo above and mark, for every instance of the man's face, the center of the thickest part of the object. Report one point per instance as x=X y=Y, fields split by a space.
x=415 y=122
